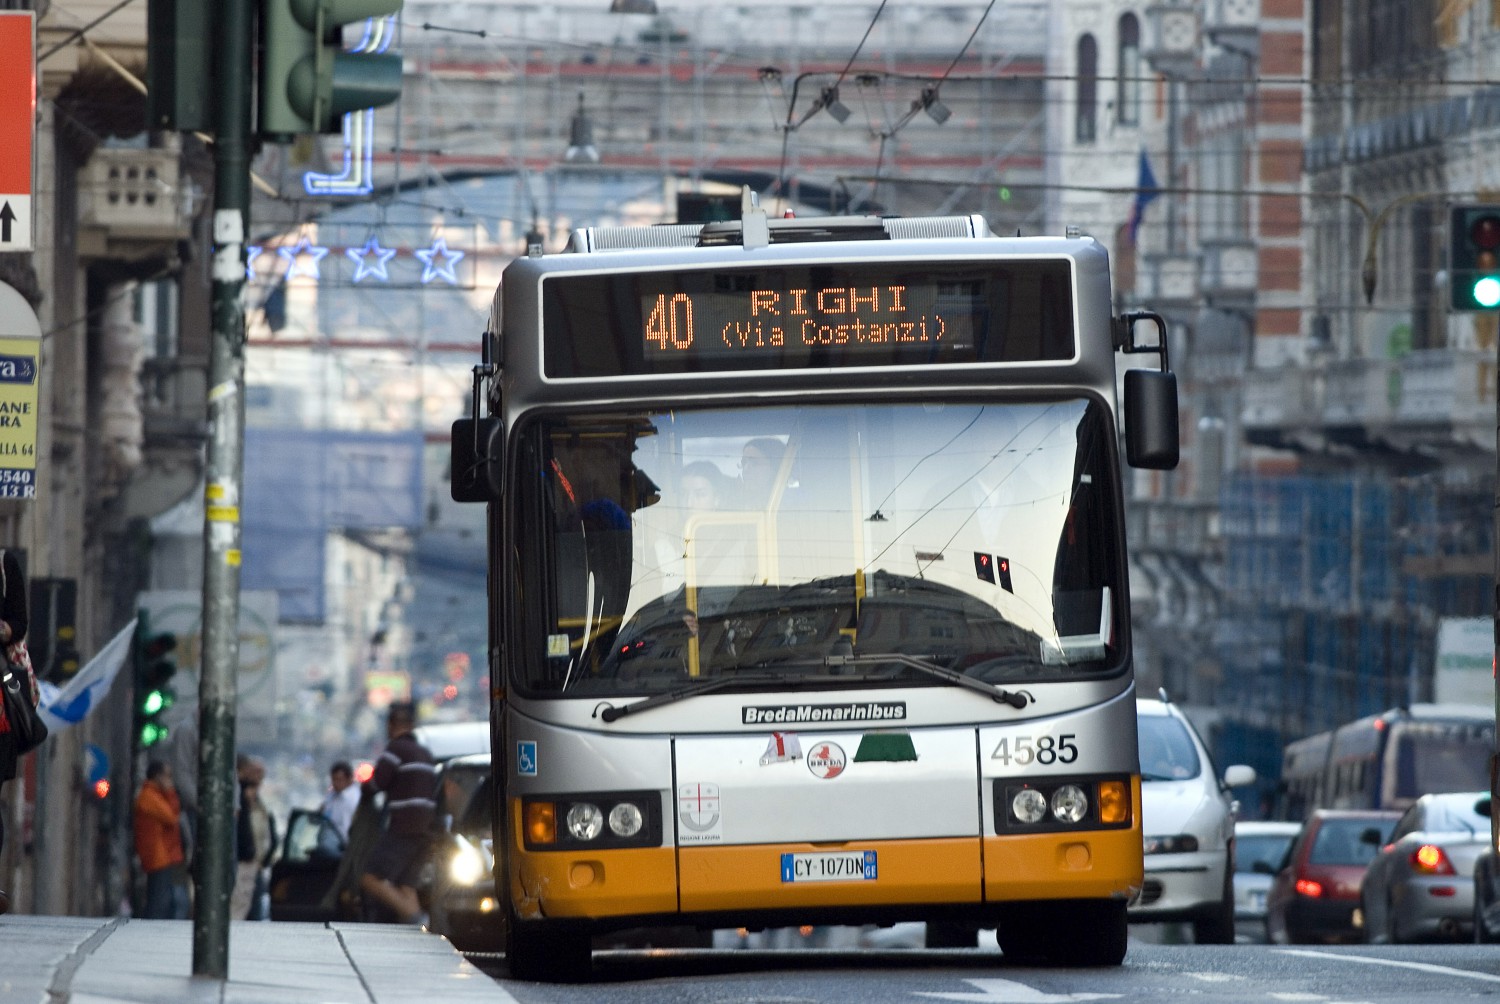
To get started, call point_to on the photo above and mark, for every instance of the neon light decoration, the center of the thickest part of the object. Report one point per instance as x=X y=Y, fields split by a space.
x=358 y=175
x=364 y=267
x=432 y=269
x=305 y=248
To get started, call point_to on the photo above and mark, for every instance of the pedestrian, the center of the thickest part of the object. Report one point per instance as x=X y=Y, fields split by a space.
x=254 y=838
x=407 y=775
x=158 y=844
x=342 y=798
x=13 y=624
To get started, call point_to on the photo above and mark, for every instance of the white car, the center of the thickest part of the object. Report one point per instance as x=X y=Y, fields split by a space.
x=1187 y=820
x=1260 y=846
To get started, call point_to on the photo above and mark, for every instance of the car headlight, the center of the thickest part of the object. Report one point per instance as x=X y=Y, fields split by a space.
x=466 y=867
x=1178 y=843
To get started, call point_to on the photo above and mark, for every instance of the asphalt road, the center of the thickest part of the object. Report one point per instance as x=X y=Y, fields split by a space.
x=1418 y=974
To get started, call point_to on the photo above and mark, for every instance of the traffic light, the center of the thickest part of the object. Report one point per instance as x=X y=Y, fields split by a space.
x=179 y=62
x=307 y=81
x=1002 y=565
x=1474 y=259
x=155 y=665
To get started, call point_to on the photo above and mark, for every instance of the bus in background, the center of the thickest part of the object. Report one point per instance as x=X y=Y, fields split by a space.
x=1303 y=764
x=1387 y=761
x=808 y=590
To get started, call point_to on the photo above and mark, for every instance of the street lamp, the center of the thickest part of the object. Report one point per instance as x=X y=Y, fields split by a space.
x=581 y=149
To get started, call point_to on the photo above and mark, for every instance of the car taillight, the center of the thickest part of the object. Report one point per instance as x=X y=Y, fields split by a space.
x=1429 y=859
x=1309 y=888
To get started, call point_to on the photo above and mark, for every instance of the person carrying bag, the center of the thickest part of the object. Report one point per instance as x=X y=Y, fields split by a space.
x=21 y=729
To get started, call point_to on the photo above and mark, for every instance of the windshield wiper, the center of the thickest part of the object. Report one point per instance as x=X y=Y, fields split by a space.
x=704 y=686
x=1015 y=699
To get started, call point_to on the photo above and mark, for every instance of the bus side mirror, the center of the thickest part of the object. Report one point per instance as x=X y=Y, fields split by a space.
x=1151 y=419
x=476 y=459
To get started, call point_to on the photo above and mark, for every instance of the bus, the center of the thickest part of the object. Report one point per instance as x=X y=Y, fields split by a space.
x=807 y=583
x=1389 y=760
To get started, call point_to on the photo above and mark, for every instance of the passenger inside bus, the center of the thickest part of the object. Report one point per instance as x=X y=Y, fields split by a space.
x=761 y=471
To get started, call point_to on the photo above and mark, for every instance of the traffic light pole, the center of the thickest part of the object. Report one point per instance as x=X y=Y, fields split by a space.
x=215 y=860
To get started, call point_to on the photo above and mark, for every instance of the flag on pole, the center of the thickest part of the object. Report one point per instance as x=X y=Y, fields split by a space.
x=1146 y=189
x=69 y=704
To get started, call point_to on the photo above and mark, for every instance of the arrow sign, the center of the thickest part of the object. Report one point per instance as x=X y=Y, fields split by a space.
x=1010 y=992
x=17 y=127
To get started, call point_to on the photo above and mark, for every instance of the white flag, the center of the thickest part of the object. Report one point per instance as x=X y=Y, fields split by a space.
x=71 y=703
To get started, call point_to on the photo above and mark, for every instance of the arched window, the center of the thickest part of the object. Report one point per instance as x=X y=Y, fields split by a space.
x=1128 y=71
x=1088 y=87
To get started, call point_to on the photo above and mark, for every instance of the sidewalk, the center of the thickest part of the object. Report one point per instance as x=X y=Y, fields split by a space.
x=115 y=960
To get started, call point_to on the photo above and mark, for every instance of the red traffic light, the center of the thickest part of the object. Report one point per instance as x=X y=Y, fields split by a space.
x=1485 y=233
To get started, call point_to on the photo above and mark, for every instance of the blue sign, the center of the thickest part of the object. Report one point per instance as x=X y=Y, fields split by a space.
x=526 y=758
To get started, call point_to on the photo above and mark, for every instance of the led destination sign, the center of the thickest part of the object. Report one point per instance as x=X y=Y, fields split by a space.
x=846 y=318
x=797 y=315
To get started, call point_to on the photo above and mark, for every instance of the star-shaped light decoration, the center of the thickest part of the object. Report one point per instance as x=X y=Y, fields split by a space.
x=370 y=260
x=432 y=269
x=251 y=253
x=305 y=247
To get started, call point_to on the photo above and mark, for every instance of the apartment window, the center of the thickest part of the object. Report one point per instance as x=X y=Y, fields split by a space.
x=1088 y=88
x=1128 y=68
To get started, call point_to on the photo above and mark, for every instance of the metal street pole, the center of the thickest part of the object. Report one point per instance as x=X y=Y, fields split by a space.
x=224 y=471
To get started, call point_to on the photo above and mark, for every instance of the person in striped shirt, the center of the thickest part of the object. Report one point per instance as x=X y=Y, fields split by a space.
x=406 y=774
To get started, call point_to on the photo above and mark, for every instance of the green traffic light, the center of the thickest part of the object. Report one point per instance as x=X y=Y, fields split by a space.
x=1486 y=291
x=152 y=733
x=155 y=702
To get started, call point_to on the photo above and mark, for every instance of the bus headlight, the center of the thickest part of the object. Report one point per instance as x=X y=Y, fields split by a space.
x=1069 y=803
x=598 y=820
x=1058 y=804
x=1029 y=805
x=625 y=819
x=585 y=821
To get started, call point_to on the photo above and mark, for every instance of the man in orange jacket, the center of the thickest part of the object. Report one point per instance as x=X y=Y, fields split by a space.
x=158 y=843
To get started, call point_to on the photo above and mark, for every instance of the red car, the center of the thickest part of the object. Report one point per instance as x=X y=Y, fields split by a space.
x=1315 y=895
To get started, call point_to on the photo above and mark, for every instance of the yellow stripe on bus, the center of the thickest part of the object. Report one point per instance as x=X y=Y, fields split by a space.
x=909 y=871
x=622 y=882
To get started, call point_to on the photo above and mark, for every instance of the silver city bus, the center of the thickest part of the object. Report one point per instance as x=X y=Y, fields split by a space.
x=808 y=591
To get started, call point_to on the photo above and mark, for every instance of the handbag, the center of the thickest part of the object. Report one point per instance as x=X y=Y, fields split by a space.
x=26 y=729
x=26 y=726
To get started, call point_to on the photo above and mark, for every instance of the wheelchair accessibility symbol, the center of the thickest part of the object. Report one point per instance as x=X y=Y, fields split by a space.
x=526 y=758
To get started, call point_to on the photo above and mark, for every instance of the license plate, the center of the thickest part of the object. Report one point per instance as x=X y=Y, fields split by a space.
x=829 y=866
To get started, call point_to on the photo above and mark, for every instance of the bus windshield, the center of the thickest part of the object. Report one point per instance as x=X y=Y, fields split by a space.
x=660 y=546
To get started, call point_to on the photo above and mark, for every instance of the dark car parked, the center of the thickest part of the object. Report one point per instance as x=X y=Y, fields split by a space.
x=463 y=904
x=1486 y=888
x=1315 y=895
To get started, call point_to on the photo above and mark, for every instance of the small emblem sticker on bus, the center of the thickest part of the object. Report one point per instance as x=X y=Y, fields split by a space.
x=526 y=758
x=699 y=812
x=826 y=760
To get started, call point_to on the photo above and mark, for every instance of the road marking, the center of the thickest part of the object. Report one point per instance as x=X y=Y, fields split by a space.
x=1421 y=967
x=1010 y=992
